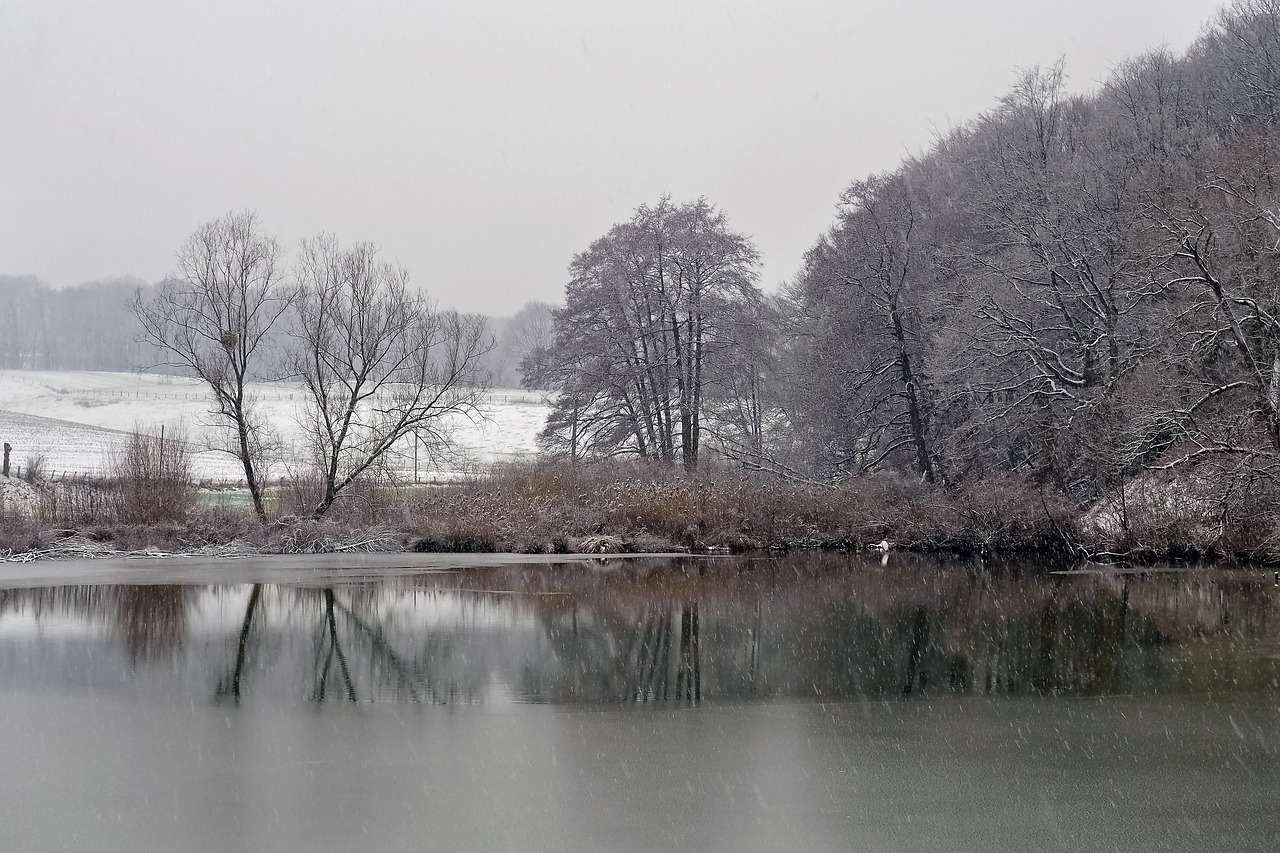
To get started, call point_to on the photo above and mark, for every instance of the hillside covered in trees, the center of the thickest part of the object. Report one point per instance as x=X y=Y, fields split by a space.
x=1079 y=291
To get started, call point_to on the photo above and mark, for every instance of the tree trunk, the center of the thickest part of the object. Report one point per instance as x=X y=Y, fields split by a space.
x=919 y=439
x=1266 y=388
x=250 y=476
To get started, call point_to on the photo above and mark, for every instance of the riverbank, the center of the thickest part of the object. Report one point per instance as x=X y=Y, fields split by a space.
x=556 y=508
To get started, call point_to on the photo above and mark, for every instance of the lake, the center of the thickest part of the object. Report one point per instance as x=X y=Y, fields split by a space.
x=819 y=702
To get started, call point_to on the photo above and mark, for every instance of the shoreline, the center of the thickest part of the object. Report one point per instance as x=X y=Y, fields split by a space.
x=377 y=545
x=559 y=508
x=282 y=569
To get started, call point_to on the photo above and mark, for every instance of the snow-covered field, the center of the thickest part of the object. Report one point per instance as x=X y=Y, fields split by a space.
x=74 y=419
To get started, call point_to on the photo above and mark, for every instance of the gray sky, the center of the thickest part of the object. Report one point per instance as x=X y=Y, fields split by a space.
x=484 y=142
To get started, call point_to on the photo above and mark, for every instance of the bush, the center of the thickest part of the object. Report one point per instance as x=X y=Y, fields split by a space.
x=152 y=476
x=299 y=492
x=34 y=470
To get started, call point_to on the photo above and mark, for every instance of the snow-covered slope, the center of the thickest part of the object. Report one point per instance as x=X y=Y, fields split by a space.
x=75 y=418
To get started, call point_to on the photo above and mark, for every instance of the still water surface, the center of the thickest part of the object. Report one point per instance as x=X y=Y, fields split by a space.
x=816 y=703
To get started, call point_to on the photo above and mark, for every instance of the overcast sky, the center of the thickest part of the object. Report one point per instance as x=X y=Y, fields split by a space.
x=483 y=143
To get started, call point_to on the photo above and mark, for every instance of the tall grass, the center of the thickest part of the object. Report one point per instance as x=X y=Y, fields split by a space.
x=148 y=481
x=76 y=503
x=549 y=506
x=18 y=531
x=558 y=506
x=34 y=470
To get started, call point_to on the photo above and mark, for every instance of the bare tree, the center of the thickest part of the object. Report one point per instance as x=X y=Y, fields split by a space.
x=863 y=366
x=1234 y=348
x=1062 y=273
x=214 y=319
x=379 y=363
x=529 y=335
x=646 y=323
x=741 y=363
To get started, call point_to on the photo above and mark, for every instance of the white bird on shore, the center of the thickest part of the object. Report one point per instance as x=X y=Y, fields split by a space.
x=881 y=547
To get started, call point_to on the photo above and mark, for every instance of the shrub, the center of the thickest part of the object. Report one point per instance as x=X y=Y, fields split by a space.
x=152 y=476
x=299 y=492
x=34 y=470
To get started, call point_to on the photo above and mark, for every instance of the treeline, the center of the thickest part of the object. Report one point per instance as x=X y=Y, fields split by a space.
x=88 y=327
x=1080 y=290
x=91 y=327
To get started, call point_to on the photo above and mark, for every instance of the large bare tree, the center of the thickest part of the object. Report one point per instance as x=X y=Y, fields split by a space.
x=379 y=363
x=645 y=329
x=860 y=304
x=214 y=319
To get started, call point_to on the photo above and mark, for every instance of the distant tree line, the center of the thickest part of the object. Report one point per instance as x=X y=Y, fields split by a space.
x=87 y=327
x=91 y=327
x=528 y=330
x=1078 y=289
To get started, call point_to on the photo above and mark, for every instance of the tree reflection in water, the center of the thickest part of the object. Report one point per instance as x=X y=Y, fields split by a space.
x=334 y=651
x=649 y=662
x=230 y=686
x=150 y=620
x=685 y=632
x=322 y=607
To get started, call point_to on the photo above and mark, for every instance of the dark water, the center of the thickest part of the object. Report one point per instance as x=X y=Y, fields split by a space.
x=809 y=704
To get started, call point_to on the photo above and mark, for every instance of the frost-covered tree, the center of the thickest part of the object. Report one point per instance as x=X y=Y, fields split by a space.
x=647 y=326
x=860 y=382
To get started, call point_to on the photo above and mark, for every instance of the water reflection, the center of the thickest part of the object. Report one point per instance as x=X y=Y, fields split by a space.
x=675 y=634
x=150 y=621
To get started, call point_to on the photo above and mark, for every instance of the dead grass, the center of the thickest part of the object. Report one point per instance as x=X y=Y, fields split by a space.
x=556 y=507
x=548 y=507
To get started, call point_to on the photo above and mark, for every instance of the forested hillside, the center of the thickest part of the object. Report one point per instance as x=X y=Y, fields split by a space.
x=1076 y=290
x=1073 y=287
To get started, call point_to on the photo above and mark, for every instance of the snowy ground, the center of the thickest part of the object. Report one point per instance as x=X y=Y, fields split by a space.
x=74 y=419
